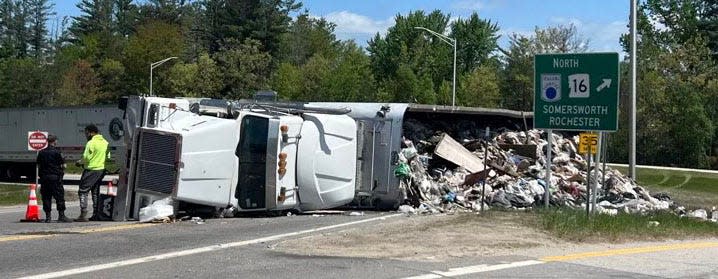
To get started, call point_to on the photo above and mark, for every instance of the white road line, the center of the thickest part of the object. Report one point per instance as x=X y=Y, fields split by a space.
x=181 y=253
x=453 y=272
x=664 y=168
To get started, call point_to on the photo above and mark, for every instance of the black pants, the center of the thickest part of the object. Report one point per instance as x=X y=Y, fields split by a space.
x=90 y=182
x=51 y=187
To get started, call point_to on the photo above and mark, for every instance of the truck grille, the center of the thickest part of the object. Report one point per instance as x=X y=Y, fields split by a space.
x=157 y=168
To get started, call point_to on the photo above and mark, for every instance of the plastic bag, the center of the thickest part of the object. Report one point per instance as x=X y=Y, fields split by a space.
x=402 y=170
x=159 y=209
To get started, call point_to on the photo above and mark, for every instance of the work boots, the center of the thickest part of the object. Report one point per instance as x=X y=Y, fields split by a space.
x=48 y=217
x=82 y=217
x=63 y=219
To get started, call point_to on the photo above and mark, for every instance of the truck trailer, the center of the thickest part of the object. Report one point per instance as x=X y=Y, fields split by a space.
x=251 y=155
x=67 y=123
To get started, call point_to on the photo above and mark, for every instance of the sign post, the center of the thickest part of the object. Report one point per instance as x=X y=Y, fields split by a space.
x=577 y=92
x=36 y=141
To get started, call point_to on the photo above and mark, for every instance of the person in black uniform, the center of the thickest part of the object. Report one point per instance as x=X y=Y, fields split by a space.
x=51 y=170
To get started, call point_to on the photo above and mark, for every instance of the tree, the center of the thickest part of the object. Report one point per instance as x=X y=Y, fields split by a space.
x=518 y=60
x=126 y=16
x=480 y=88
x=20 y=27
x=518 y=74
x=476 y=39
x=245 y=67
x=80 y=86
x=306 y=37
x=96 y=17
x=559 y=39
x=40 y=11
x=7 y=29
x=287 y=81
x=22 y=83
x=200 y=79
x=154 y=41
x=264 y=21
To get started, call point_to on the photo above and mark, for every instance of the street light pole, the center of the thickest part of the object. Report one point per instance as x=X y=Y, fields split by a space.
x=451 y=42
x=155 y=65
x=632 y=115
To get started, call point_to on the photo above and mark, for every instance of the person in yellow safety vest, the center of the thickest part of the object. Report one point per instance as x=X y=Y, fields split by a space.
x=93 y=158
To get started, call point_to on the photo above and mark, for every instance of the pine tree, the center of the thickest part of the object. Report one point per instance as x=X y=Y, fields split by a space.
x=7 y=34
x=96 y=18
x=39 y=10
x=20 y=27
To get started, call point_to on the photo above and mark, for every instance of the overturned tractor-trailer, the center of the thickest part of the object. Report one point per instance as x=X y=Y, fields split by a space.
x=252 y=155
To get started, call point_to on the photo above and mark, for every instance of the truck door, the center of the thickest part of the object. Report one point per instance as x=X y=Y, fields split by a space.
x=376 y=156
x=252 y=154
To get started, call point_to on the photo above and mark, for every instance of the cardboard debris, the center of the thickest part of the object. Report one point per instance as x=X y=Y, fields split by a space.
x=454 y=152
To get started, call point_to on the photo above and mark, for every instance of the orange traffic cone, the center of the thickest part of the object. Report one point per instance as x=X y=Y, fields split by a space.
x=32 y=214
x=111 y=189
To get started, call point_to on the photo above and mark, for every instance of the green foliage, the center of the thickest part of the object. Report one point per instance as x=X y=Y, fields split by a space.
x=199 y=79
x=153 y=41
x=23 y=83
x=476 y=39
x=245 y=68
x=480 y=88
x=306 y=37
x=80 y=86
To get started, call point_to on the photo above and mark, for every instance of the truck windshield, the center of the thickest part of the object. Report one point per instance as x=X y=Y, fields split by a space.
x=252 y=153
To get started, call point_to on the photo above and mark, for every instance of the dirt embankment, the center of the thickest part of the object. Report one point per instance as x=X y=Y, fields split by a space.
x=428 y=238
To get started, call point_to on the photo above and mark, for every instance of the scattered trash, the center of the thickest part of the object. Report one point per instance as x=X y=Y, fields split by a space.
x=714 y=215
x=653 y=224
x=158 y=210
x=408 y=209
x=698 y=214
x=197 y=220
x=441 y=175
x=354 y=213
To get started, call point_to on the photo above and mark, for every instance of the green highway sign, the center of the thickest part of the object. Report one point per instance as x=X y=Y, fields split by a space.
x=576 y=91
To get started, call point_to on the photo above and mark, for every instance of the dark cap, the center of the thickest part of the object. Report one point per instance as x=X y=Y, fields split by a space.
x=51 y=138
x=91 y=129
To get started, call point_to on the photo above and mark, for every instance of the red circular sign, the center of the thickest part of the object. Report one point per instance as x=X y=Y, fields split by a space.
x=37 y=141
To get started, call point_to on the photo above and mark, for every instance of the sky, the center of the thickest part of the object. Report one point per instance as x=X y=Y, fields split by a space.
x=600 y=21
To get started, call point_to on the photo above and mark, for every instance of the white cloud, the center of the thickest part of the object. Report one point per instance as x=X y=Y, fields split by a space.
x=351 y=25
x=473 y=5
x=602 y=36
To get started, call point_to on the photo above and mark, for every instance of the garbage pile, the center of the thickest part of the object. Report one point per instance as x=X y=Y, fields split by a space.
x=439 y=174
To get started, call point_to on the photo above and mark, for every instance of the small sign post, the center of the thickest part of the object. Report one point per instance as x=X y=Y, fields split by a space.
x=36 y=141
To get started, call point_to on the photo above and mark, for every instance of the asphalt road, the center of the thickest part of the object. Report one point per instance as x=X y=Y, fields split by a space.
x=245 y=248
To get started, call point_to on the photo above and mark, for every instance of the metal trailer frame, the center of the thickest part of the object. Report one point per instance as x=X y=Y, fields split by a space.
x=67 y=123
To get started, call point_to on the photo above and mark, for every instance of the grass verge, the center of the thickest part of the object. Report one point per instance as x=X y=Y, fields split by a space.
x=15 y=194
x=573 y=225
x=18 y=194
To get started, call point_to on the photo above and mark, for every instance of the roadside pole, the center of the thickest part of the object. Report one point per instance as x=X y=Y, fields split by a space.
x=486 y=175
x=595 y=172
x=548 y=167
x=604 y=158
x=588 y=182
